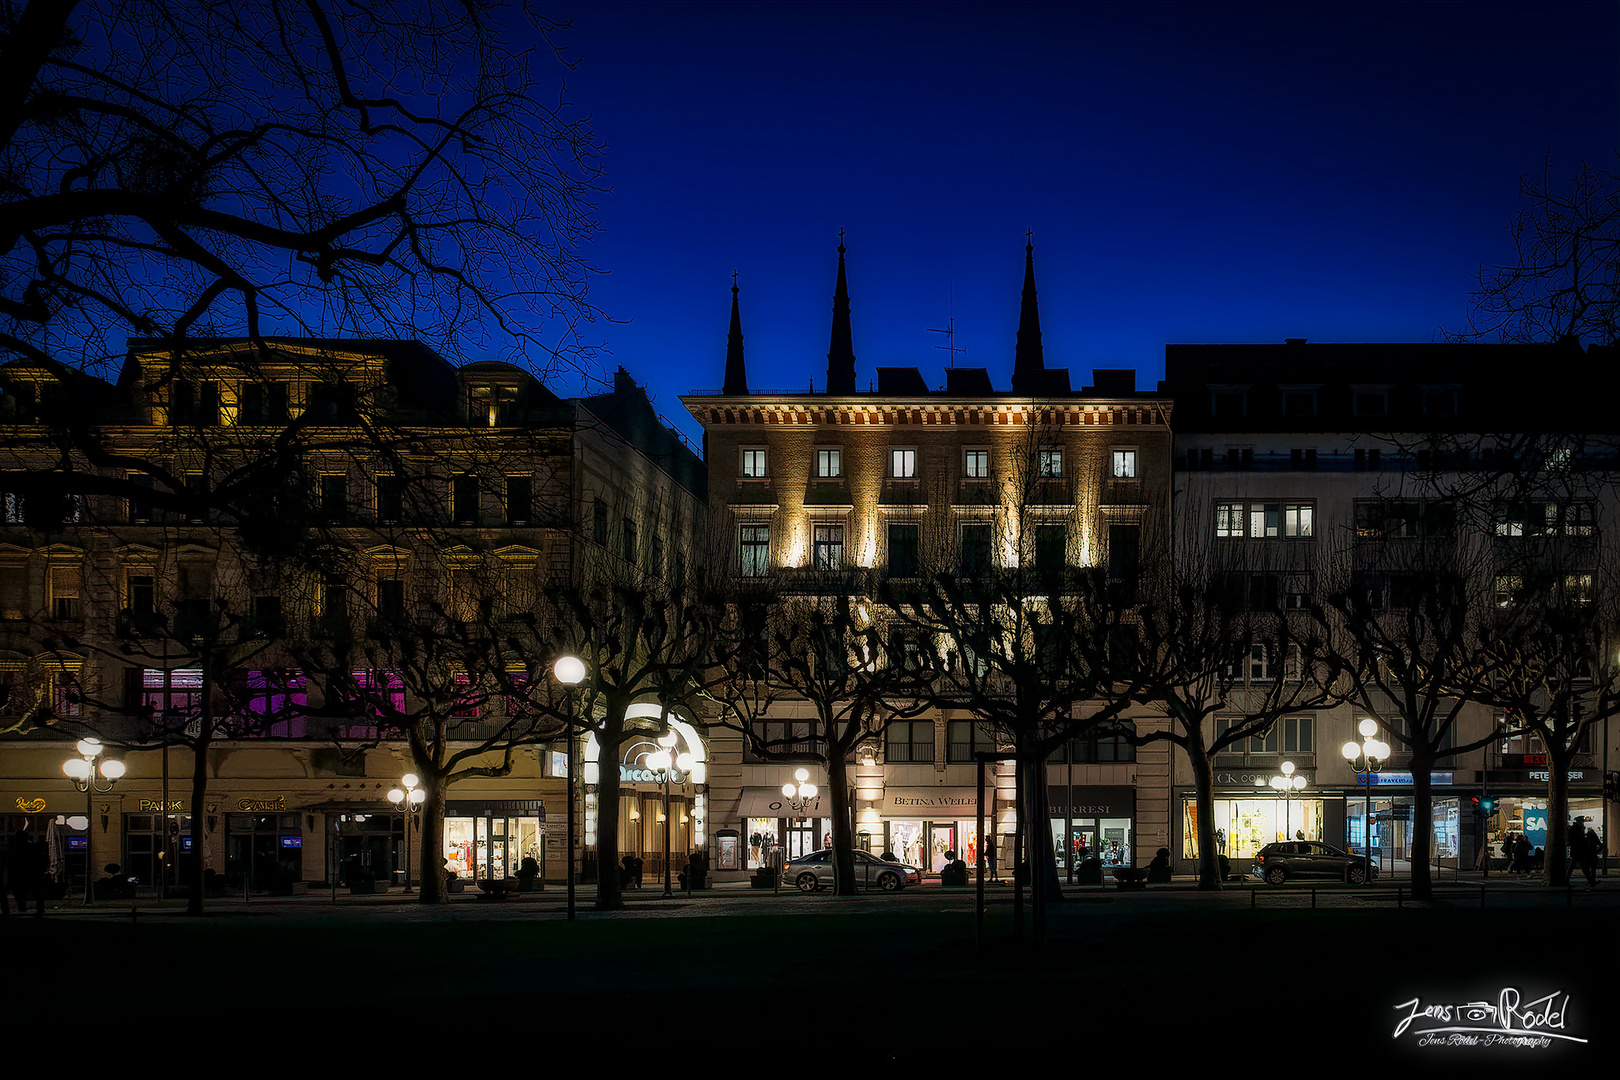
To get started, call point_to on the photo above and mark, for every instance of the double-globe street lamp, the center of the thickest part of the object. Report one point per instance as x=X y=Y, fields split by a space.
x=93 y=779
x=1366 y=757
x=570 y=672
x=664 y=762
x=799 y=795
x=1287 y=783
x=408 y=800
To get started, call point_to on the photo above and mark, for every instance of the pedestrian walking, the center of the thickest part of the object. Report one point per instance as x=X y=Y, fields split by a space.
x=1577 y=847
x=25 y=862
x=1589 y=855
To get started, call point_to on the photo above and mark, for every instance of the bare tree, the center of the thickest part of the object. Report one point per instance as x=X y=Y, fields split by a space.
x=388 y=169
x=1565 y=281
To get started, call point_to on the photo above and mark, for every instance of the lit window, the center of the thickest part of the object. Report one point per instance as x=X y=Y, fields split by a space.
x=829 y=463
x=1051 y=462
x=1124 y=465
x=755 y=547
x=976 y=464
x=829 y=547
x=753 y=463
x=903 y=464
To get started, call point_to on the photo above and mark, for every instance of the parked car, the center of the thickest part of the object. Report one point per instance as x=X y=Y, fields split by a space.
x=815 y=871
x=1277 y=863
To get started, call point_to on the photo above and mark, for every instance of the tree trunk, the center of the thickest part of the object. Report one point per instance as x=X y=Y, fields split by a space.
x=435 y=887
x=1557 y=850
x=1422 y=828
x=1041 y=855
x=608 y=893
x=1209 y=855
x=199 y=793
x=843 y=836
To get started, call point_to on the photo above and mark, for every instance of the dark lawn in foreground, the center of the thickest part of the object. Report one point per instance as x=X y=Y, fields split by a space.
x=906 y=986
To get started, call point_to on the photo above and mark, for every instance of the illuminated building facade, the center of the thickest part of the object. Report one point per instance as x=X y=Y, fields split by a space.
x=838 y=491
x=454 y=494
x=1316 y=467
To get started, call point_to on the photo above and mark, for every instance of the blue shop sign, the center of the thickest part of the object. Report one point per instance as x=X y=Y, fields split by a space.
x=1403 y=779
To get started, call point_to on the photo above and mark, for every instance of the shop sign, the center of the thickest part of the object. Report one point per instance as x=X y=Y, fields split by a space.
x=1090 y=801
x=1545 y=775
x=158 y=806
x=769 y=803
x=30 y=806
x=933 y=804
x=1403 y=779
x=263 y=806
x=1247 y=778
x=1511 y=1021
x=627 y=775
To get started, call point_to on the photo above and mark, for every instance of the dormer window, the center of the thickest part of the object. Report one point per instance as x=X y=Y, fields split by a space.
x=1228 y=402
x=492 y=406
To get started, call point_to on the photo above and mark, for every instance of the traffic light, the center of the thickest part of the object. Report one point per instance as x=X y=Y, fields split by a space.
x=1487 y=807
x=1611 y=786
x=1474 y=805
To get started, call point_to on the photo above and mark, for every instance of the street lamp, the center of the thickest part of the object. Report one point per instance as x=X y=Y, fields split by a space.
x=799 y=795
x=664 y=762
x=1366 y=757
x=93 y=780
x=408 y=800
x=570 y=671
x=1287 y=783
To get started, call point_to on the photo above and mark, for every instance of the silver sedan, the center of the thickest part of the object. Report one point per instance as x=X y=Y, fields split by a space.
x=815 y=871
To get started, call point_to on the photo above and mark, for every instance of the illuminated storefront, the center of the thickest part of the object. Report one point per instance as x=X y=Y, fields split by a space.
x=484 y=840
x=919 y=825
x=1247 y=817
x=643 y=792
x=1101 y=824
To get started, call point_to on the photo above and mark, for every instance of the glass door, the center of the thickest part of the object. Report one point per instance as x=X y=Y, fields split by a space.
x=941 y=838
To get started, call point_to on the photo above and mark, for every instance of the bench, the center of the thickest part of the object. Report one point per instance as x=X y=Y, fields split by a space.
x=1130 y=877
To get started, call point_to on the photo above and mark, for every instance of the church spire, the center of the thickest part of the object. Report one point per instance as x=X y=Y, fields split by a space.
x=1029 y=361
x=736 y=383
x=841 y=352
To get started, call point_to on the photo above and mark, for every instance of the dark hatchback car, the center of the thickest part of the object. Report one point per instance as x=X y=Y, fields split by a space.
x=1277 y=863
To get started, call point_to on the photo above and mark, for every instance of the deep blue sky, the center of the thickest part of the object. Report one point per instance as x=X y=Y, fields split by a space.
x=1212 y=172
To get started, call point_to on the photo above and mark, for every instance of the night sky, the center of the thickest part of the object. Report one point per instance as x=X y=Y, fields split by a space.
x=1191 y=172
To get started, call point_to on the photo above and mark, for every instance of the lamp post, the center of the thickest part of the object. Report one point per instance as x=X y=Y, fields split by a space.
x=93 y=780
x=1366 y=757
x=664 y=763
x=1287 y=783
x=570 y=671
x=799 y=795
x=408 y=800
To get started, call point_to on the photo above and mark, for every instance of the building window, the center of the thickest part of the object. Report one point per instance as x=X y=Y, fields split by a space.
x=1265 y=520
x=1124 y=465
x=975 y=549
x=519 y=494
x=976 y=464
x=272 y=704
x=1050 y=549
x=390 y=498
x=599 y=516
x=172 y=698
x=1109 y=743
x=964 y=738
x=829 y=463
x=829 y=547
x=909 y=742
x=1302 y=459
x=1228 y=403
x=755 y=546
x=1298 y=734
x=753 y=463
x=903 y=554
x=1050 y=462
x=334 y=496
x=1124 y=553
x=391 y=599
x=381 y=702
x=1367 y=460
x=629 y=534
x=14 y=590
x=464 y=500
x=903 y=464
x=65 y=582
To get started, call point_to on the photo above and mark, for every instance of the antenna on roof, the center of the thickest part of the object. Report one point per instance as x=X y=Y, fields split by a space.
x=950 y=329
